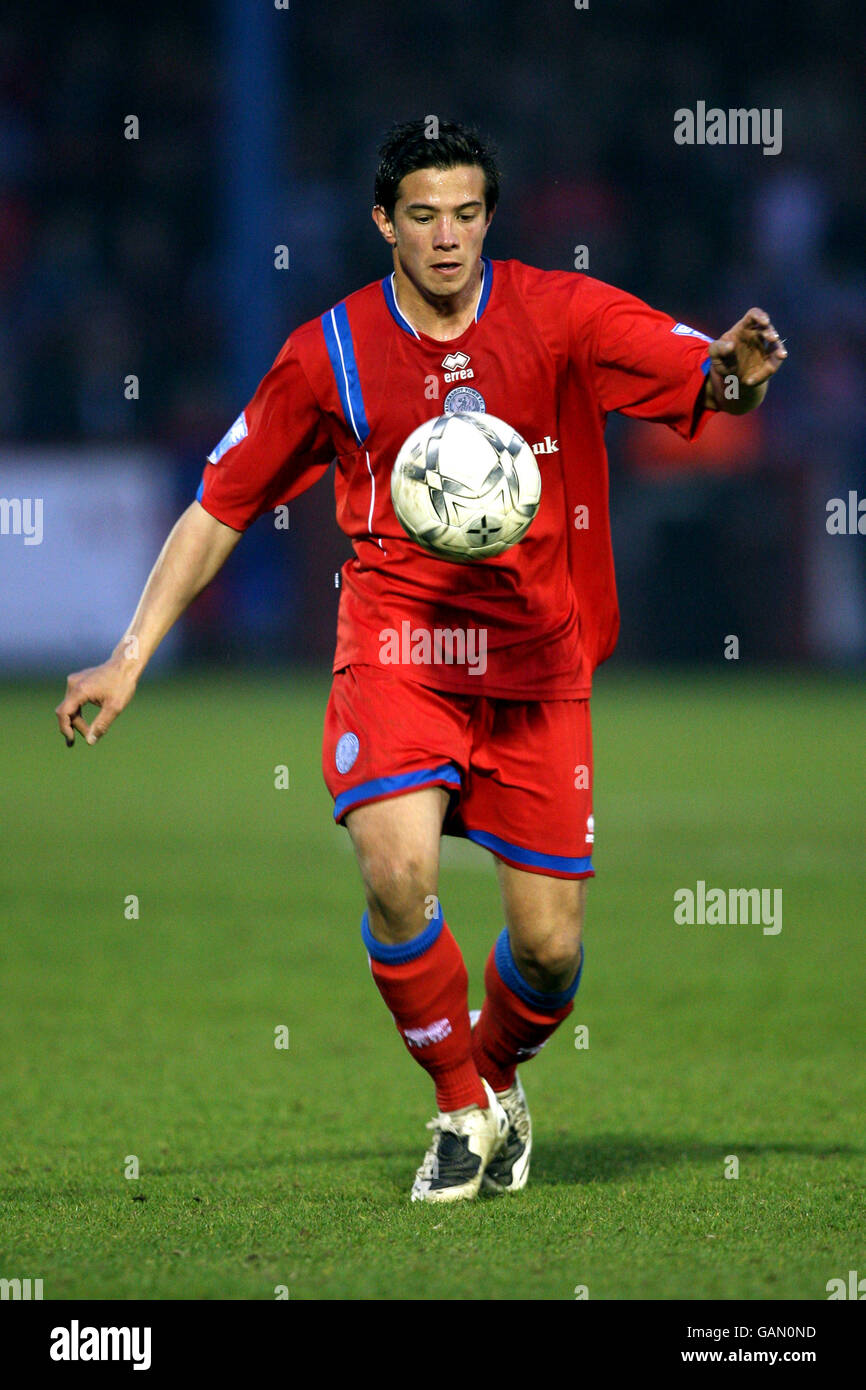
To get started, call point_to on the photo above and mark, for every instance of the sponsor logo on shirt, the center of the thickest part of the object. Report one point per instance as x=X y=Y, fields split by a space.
x=457 y=367
x=546 y=446
x=234 y=436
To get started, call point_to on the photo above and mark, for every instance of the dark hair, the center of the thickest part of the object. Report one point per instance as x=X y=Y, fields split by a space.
x=411 y=145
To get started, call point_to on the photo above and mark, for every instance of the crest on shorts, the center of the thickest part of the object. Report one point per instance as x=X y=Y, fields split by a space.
x=463 y=398
x=347 y=752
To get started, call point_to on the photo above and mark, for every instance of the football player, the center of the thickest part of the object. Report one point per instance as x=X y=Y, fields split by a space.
x=500 y=751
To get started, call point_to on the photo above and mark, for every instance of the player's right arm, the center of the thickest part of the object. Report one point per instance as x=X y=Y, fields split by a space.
x=276 y=448
x=194 y=552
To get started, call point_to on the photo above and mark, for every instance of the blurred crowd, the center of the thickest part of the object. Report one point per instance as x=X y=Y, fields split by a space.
x=111 y=254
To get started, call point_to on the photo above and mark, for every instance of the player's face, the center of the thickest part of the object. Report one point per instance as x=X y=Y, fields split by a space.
x=438 y=228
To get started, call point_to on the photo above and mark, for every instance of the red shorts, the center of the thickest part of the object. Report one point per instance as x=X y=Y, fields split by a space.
x=519 y=772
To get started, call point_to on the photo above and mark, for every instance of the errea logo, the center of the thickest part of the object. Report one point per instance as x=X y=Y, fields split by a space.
x=457 y=367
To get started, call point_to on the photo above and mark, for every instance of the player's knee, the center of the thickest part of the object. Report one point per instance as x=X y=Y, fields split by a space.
x=550 y=963
x=400 y=892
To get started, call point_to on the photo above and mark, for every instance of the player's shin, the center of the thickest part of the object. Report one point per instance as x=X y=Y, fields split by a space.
x=424 y=984
x=516 y=1020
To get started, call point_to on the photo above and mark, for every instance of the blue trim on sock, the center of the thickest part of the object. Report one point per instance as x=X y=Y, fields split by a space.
x=511 y=976
x=405 y=950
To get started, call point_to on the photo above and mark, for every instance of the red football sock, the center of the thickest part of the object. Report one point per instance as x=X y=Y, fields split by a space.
x=509 y=1030
x=427 y=997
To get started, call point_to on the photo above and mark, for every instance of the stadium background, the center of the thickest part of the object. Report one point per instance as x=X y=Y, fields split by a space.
x=154 y=1036
x=258 y=127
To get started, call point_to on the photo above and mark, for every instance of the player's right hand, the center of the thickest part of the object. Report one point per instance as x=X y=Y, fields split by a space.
x=111 y=686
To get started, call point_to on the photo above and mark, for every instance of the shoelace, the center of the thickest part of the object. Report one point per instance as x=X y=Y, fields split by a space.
x=440 y=1124
x=446 y=1124
x=516 y=1113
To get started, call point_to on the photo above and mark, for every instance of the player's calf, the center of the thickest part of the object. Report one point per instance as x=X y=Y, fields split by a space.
x=424 y=984
x=517 y=1019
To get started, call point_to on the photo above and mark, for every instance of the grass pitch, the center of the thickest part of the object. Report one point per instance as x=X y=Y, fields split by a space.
x=152 y=1038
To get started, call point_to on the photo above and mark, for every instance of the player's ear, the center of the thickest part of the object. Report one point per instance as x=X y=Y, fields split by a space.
x=385 y=225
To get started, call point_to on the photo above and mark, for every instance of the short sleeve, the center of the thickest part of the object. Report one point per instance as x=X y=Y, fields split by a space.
x=648 y=365
x=276 y=448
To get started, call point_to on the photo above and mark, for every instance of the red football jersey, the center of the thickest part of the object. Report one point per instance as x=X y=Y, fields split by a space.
x=550 y=352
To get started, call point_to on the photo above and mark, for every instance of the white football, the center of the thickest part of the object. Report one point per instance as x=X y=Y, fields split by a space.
x=465 y=486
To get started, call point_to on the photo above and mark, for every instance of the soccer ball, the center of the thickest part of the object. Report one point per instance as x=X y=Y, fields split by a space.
x=465 y=486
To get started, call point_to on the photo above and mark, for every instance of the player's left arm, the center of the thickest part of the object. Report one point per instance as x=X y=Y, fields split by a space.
x=748 y=354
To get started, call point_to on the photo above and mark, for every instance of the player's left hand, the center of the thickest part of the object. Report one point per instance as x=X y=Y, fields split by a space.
x=751 y=351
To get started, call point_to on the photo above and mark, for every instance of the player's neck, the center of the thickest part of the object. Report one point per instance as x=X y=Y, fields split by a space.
x=442 y=317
